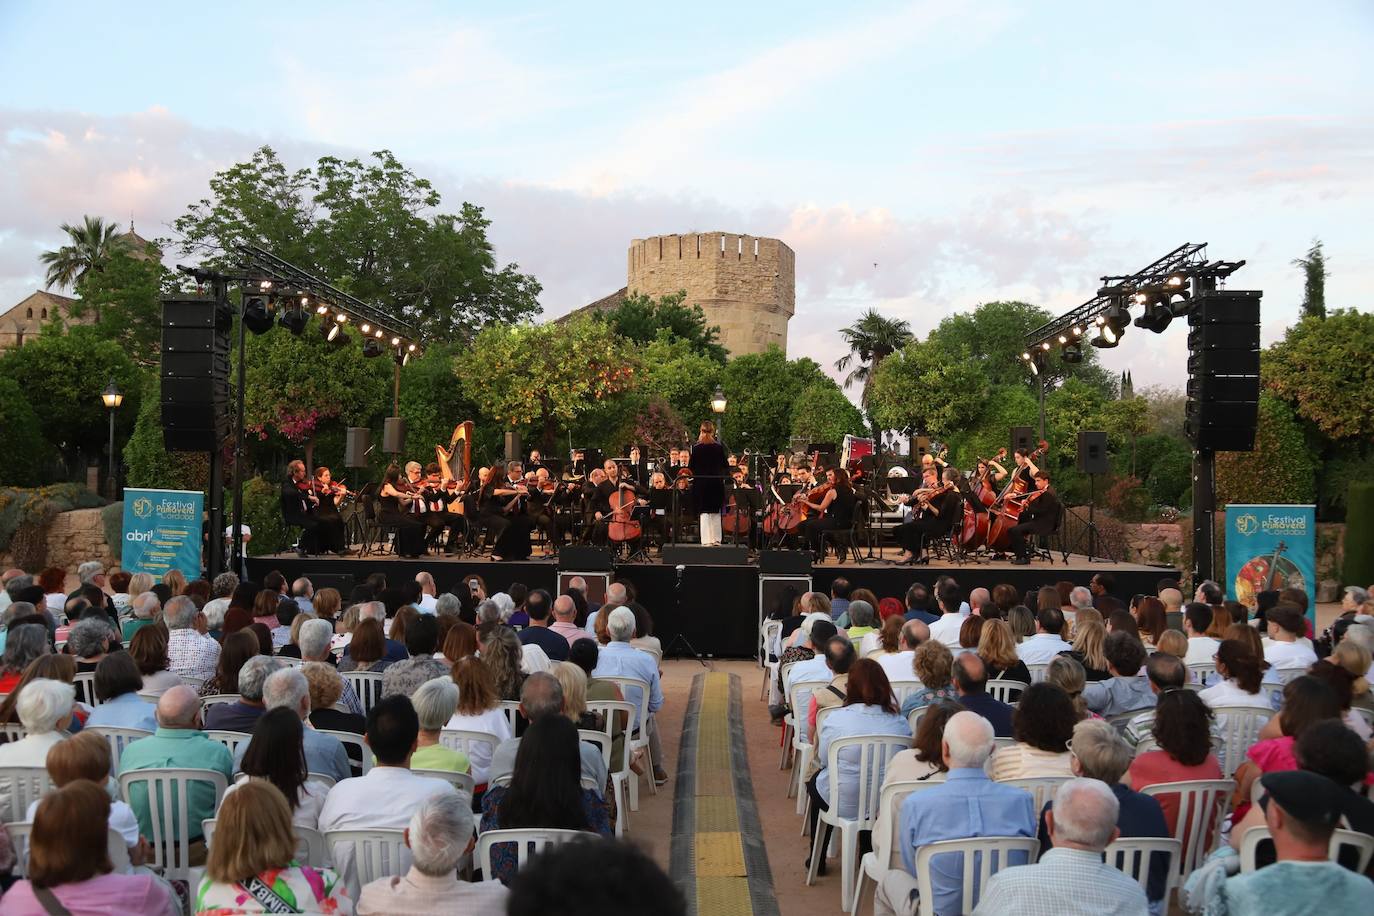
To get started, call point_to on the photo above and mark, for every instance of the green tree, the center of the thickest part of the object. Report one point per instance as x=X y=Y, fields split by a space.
x=1322 y=368
x=1314 y=281
x=823 y=414
x=760 y=391
x=871 y=340
x=681 y=376
x=1007 y=406
x=126 y=299
x=1165 y=466
x=1281 y=469
x=24 y=459
x=928 y=388
x=89 y=246
x=1124 y=420
x=432 y=404
x=147 y=463
x=644 y=320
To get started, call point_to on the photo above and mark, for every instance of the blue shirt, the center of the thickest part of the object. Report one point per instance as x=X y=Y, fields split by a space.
x=838 y=608
x=620 y=659
x=926 y=617
x=995 y=711
x=847 y=722
x=1116 y=695
x=967 y=804
x=127 y=710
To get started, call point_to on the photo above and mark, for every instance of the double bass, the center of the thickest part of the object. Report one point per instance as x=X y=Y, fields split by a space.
x=735 y=519
x=973 y=531
x=1009 y=505
x=623 y=527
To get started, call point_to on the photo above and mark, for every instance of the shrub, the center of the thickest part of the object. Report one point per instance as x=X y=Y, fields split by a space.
x=26 y=514
x=26 y=452
x=262 y=514
x=1359 y=534
x=1281 y=469
x=112 y=521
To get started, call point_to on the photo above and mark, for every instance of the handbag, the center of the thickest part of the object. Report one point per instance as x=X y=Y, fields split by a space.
x=264 y=895
x=48 y=900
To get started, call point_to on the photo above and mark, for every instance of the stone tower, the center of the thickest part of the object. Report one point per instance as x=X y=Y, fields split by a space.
x=746 y=285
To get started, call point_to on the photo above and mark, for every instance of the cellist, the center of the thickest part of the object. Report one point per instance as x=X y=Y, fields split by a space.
x=1023 y=478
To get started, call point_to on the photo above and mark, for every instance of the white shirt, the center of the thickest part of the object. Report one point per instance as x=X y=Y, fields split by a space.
x=1200 y=649
x=1289 y=654
x=428 y=604
x=122 y=820
x=1229 y=693
x=946 y=629
x=897 y=665
x=309 y=801
x=813 y=669
x=492 y=722
x=1041 y=648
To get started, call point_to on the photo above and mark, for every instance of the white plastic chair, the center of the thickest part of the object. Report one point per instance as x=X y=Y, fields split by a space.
x=1240 y=727
x=914 y=717
x=903 y=688
x=610 y=710
x=807 y=756
x=1041 y=788
x=1202 y=805
x=638 y=738
x=21 y=833
x=870 y=869
x=310 y=846
x=1362 y=843
x=769 y=637
x=366 y=684
x=13 y=731
x=20 y=787
x=84 y=683
x=1198 y=672
x=512 y=710
x=529 y=842
x=1037 y=671
x=1004 y=691
x=981 y=857
x=166 y=793
x=359 y=754
x=795 y=727
x=230 y=739
x=873 y=752
x=459 y=739
x=217 y=699
x=118 y=739
x=377 y=853
x=1133 y=855
x=461 y=781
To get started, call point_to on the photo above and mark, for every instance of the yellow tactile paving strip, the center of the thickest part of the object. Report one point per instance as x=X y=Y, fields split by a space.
x=722 y=885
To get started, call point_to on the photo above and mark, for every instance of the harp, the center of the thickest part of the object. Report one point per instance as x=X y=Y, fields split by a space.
x=455 y=463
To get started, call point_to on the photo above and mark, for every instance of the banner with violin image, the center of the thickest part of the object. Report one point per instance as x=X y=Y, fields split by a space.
x=1271 y=547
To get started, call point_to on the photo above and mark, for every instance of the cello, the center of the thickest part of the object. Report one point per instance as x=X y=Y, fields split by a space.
x=622 y=527
x=735 y=519
x=973 y=531
x=1009 y=506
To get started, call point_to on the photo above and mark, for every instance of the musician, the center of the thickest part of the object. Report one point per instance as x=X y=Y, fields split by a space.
x=577 y=464
x=435 y=495
x=933 y=516
x=512 y=495
x=836 y=511
x=596 y=503
x=675 y=462
x=1040 y=516
x=396 y=511
x=330 y=534
x=988 y=473
x=1025 y=470
x=535 y=462
x=659 y=501
x=708 y=466
x=746 y=499
x=486 y=505
x=298 y=506
x=635 y=469
x=542 y=504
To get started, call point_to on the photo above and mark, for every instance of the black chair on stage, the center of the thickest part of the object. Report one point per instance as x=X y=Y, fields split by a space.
x=847 y=539
x=374 y=531
x=1043 y=546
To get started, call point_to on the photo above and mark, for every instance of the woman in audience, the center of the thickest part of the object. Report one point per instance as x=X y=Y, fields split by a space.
x=326 y=603
x=644 y=631
x=1306 y=701
x=23 y=644
x=236 y=619
x=87 y=756
x=263 y=633
x=1172 y=642
x=292 y=647
x=45 y=667
x=801 y=649
x=1042 y=725
x=344 y=625
x=545 y=791
x=326 y=687
x=1021 y=621
x=1240 y=671
x=148 y=649
x=276 y=754
x=367 y=649
x=1183 y=731
x=117 y=683
x=925 y=760
x=45 y=710
x=234 y=653
x=460 y=643
x=1084 y=616
x=53 y=581
x=573 y=680
x=1343 y=683
x=934 y=665
x=585 y=655
x=501 y=654
x=175 y=580
x=435 y=703
x=479 y=710
x=1047 y=597
x=69 y=862
x=970 y=631
x=1222 y=618
x=1067 y=674
x=265 y=608
x=1355 y=658
x=89 y=641
x=1150 y=620
x=997 y=649
x=252 y=864
x=1089 y=650
x=403 y=619
x=883 y=641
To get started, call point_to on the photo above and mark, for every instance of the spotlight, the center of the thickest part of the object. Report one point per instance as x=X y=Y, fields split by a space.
x=1117 y=316
x=1106 y=337
x=331 y=330
x=1176 y=281
x=1073 y=353
x=411 y=349
x=1035 y=367
x=1157 y=313
x=402 y=357
x=377 y=333
x=265 y=285
x=340 y=317
x=372 y=348
x=1045 y=346
x=294 y=320
x=395 y=341
x=365 y=328
x=1063 y=339
x=1025 y=356
x=321 y=309
x=257 y=317
x=1077 y=331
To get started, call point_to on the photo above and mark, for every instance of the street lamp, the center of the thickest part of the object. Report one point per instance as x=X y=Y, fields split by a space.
x=112 y=398
x=718 y=408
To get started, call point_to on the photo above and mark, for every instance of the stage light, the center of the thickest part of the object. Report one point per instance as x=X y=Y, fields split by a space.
x=1141 y=298
x=340 y=317
x=395 y=341
x=1063 y=339
x=1035 y=367
x=1106 y=337
x=331 y=330
x=1157 y=315
x=377 y=333
x=1073 y=353
x=265 y=285
x=1045 y=346
x=372 y=348
x=365 y=328
x=321 y=309
x=294 y=320
x=1077 y=331
x=257 y=317
x=1025 y=356
x=411 y=348
x=1117 y=316
x=1176 y=281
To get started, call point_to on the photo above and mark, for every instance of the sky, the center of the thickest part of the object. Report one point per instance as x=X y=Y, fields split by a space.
x=919 y=157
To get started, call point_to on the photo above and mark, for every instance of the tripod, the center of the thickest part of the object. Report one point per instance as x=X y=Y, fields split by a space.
x=680 y=646
x=1089 y=531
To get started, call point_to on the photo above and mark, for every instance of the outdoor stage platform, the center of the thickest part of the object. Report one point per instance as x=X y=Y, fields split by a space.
x=714 y=607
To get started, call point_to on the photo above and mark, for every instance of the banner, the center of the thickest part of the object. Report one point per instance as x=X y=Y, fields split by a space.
x=162 y=531
x=1271 y=547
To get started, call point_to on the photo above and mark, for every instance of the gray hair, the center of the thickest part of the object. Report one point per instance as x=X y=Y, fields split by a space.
x=315 y=637
x=254 y=674
x=179 y=613
x=439 y=833
x=621 y=624
x=147 y=604
x=16 y=609
x=214 y=612
x=1101 y=751
x=177 y=708
x=89 y=637
x=616 y=593
x=1360 y=635
x=541 y=695
x=860 y=614
x=43 y=703
x=25 y=643
x=1081 y=597
x=1357 y=594
x=372 y=609
x=17 y=585
x=489 y=612
x=89 y=570
x=1085 y=812
x=285 y=687
x=970 y=739
x=448 y=603
x=224 y=584
x=435 y=703
x=302 y=588
x=506 y=603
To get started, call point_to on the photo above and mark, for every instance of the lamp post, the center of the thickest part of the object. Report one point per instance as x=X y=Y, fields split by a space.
x=718 y=408
x=112 y=397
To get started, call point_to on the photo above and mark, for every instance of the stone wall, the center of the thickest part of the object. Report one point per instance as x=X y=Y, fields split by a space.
x=1158 y=542
x=745 y=285
x=73 y=538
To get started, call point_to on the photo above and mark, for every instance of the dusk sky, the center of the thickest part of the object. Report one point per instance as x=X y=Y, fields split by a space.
x=919 y=157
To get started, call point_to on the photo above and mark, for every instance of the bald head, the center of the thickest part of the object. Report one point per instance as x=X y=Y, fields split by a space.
x=968 y=740
x=564 y=609
x=616 y=594
x=1084 y=815
x=578 y=583
x=1172 y=599
x=914 y=632
x=978 y=598
x=179 y=707
x=970 y=674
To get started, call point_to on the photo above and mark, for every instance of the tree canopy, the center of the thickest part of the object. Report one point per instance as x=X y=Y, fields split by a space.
x=90 y=245
x=1322 y=367
x=643 y=319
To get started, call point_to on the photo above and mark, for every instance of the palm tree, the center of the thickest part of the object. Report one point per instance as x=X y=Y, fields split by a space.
x=871 y=339
x=92 y=244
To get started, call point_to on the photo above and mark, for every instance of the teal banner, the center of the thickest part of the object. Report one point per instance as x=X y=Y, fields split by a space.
x=1271 y=547
x=162 y=531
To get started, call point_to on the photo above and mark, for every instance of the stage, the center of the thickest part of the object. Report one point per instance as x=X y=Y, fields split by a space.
x=714 y=607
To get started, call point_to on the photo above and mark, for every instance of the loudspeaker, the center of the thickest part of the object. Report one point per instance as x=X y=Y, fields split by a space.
x=1023 y=437
x=357 y=442
x=1220 y=438
x=584 y=559
x=697 y=555
x=1092 y=451
x=513 y=446
x=1222 y=410
x=394 y=435
x=194 y=373
x=920 y=445
x=797 y=562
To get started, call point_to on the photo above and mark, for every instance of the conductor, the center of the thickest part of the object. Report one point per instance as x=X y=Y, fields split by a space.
x=709 y=466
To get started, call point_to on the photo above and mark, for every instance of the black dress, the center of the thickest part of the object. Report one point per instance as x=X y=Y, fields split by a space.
x=410 y=531
x=709 y=466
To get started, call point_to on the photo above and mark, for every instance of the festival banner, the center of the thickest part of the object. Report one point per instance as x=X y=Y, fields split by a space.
x=1271 y=547
x=162 y=531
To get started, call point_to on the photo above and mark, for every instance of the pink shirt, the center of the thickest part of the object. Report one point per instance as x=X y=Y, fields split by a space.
x=1154 y=767
x=112 y=894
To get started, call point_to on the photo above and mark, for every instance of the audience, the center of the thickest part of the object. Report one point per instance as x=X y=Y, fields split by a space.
x=87 y=756
x=287 y=688
x=1183 y=733
x=934 y=667
x=460 y=642
x=595 y=877
x=839 y=658
x=1163 y=672
x=946 y=628
x=997 y=649
x=1287 y=647
x=1124 y=691
x=435 y=703
x=45 y=710
x=1306 y=701
x=1067 y=674
x=1042 y=725
x=1240 y=672
x=117 y=683
x=1089 y=644
x=243 y=713
x=327 y=709
x=479 y=710
x=367 y=650
x=899 y=665
x=1041 y=647
x=620 y=659
x=405 y=677
x=190 y=653
x=971 y=685
x=542 y=695
x=277 y=754
x=923 y=761
x=148 y=649
x=26 y=642
x=538 y=607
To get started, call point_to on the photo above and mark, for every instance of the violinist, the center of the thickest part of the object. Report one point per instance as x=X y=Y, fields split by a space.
x=397 y=500
x=298 y=505
x=434 y=499
x=486 y=506
x=512 y=495
x=330 y=533
x=541 y=505
x=536 y=461
x=1041 y=516
x=660 y=501
x=836 y=510
x=937 y=510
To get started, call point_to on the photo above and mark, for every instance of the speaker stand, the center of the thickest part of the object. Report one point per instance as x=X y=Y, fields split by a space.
x=680 y=645
x=1091 y=532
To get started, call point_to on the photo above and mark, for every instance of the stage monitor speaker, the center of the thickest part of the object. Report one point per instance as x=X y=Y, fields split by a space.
x=1023 y=437
x=1092 y=452
x=697 y=555
x=513 y=446
x=584 y=558
x=357 y=443
x=797 y=562
x=394 y=435
x=920 y=445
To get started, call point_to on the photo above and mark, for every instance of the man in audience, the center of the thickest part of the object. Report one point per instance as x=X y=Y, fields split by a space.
x=946 y=629
x=620 y=659
x=376 y=610
x=565 y=620
x=840 y=656
x=1287 y=646
x=968 y=804
x=243 y=713
x=542 y=695
x=579 y=585
x=539 y=633
x=898 y=665
x=1124 y=691
x=6 y=578
x=303 y=593
x=439 y=835
x=145 y=608
x=839 y=599
x=971 y=683
x=616 y=596
x=1041 y=647
x=429 y=601
x=918 y=605
x=387 y=795
x=1163 y=672
x=1071 y=877
x=1197 y=618
x=814 y=668
x=189 y=653
x=1102 y=584
x=287 y=687
x=1209 y=593
x=1080 y=598
x=405 y=677
x=594 y=877
x=1172 y=599
x=178 y=743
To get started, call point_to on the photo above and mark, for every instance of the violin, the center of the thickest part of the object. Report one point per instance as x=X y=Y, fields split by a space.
x=923 y=500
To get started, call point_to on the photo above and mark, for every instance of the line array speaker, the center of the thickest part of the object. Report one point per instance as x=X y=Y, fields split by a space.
x=1222 y=410
x=194 y=373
